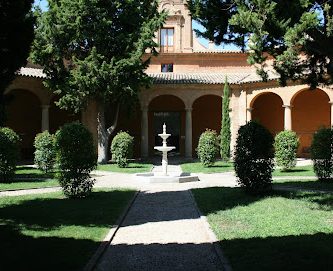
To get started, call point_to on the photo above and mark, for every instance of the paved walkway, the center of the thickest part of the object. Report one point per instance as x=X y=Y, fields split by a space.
x=162 y=231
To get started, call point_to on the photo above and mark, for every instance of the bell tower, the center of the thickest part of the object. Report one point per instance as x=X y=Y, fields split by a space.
x=176 y=35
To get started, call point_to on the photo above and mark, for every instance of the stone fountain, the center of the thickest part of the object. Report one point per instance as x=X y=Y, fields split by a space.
x=164 y=176
x=164 y=149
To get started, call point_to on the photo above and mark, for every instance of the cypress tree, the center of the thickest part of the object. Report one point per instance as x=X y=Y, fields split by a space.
x=225 y=127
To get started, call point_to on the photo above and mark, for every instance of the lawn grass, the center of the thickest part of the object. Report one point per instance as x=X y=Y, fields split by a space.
x=283 y=231
x=304 y=184
x=297 y=171
x=133 y=167
x=197 y=167
x=29 y=178
x=50 y=232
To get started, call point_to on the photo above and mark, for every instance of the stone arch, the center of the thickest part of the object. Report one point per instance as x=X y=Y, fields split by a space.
x=24 y=116
x=310 y=111
x=267 y=109
x=170 y=109
x=206 y=114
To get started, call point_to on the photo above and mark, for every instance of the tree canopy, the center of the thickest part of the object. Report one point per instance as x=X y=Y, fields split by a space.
x=298 y=34
x=16 y=35
x=92 y=49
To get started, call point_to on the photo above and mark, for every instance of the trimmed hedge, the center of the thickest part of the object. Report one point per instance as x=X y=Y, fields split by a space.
x=9 y=153
x=254 y=161
x=286 y=145
x=122 y=149
x=76 y=158
x=322 y=154
x=208 y=148
x=45 y=151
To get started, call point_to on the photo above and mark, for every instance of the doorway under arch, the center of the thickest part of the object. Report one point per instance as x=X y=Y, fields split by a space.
x=170 y=110
x=267 y=109
x=24 y=116
x=206 y=114
x=311 y=110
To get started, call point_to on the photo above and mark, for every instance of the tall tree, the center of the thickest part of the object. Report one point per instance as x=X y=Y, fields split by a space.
x=298 y=34
x=225 y=135
x=93 y=49
x=16 y=35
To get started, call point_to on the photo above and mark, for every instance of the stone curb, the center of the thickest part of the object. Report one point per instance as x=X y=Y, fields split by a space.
x=90 y=266
x=224 y=261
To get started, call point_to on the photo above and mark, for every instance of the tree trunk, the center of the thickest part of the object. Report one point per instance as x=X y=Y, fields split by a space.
x=103 y=133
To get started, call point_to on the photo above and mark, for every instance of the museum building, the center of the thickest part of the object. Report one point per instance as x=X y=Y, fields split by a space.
x=186 y=94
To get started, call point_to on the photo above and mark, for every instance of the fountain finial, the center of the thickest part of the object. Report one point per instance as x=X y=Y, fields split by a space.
x=164 y=128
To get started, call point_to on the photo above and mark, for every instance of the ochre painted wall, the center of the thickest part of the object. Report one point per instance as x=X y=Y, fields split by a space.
x=206 y=114
x=310 y=111
x=268 y=111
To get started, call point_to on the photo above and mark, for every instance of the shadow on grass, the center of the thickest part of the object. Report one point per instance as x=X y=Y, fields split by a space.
x=21 y=252
x=225 y=198
x=287 y=253
x=294 y=170
x=48 y=212
x=304 y=184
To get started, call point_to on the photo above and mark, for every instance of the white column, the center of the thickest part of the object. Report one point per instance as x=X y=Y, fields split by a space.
x=287 y=117
x=331 y=114
x=188 y=133
x=249 y=114
x=144 y=132
x=45 y=118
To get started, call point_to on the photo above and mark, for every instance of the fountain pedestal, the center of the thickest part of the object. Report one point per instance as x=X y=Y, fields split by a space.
x=164 y=177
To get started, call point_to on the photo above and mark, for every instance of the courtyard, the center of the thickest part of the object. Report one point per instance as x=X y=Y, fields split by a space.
x=205 y=225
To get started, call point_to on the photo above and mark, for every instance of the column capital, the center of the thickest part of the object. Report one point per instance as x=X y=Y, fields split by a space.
x=188 y=109
x=330 y=102
x=250 y=109
x=287 y=106
x=45 y=106
x=144 y=108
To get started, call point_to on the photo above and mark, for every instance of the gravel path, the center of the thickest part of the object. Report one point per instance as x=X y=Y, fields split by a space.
x=162 y=231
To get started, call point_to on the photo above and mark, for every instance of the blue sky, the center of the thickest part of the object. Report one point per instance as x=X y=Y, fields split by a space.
x=43 y=5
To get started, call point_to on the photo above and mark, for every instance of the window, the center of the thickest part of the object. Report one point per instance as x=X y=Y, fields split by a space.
x=167 y=39
x=167 y=67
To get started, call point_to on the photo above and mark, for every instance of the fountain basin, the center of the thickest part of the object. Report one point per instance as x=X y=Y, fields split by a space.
x=164 y=148
x=150 y=177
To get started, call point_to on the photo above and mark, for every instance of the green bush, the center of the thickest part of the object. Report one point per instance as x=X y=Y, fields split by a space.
x=208 y=148
x=9 y=153
x=76 y=158
x=254 y=158
x=122 y=149
x=45 y=153
x=286 y=145
x=322 y=153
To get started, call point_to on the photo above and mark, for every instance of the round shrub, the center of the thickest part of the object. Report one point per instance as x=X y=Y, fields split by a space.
x=76 y=158
x=9 y=153
x=45 y=153
x=322 y=153
x=208 y=148
x=122 y=149
x=286 y=145
x=254 y=158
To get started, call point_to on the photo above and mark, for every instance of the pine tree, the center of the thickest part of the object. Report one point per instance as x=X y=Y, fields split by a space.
x=92 y=50
x=225 y=127
x=283 y=29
